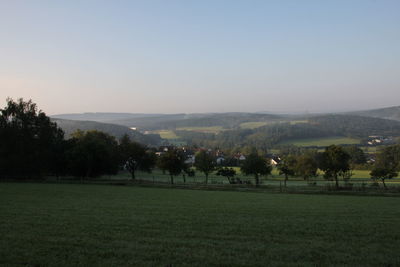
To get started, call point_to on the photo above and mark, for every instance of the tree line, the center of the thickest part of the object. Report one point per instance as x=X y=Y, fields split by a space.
x=33 y=147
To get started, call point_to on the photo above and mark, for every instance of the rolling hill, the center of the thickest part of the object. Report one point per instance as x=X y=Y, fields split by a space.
x=391 y=113
x=70 y=126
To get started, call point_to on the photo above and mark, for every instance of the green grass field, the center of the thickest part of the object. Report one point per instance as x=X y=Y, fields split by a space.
x=103 y=225
x=208 y=129
x=298 y=122
x=167 y=134
x=252 y=124
x=322 y=142
x=257 y=124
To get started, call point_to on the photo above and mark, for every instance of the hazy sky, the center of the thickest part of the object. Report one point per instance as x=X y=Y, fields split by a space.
x=200 y=56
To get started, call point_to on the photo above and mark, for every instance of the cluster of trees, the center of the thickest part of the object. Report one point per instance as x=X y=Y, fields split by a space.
x=339 y=162
x=32 y=146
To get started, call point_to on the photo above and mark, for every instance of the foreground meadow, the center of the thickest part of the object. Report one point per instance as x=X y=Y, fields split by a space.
x=103 y=225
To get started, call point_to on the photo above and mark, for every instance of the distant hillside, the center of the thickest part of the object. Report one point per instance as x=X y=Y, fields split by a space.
x=224 y=120
x=357 y=127
x=172 y=121
x=70 y=126
x=391 y=113
x=102 y=116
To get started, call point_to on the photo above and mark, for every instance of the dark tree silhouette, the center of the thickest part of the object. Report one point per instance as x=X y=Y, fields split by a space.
x=229 y=173
x=29 y=141
x=173 y=162
x=334 y=160
x=92 y=154
x=135 y=156
x=257 y=166
x=287 y=167
x=204 y=162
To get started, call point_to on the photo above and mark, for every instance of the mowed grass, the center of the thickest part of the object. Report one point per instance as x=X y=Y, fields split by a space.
x=322 y=142
x=99 y=225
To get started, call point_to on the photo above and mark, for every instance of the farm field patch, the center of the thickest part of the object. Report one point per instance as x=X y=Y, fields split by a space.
x=253 y=124
x=167 y=134
x=208 y=129
x=322 y=142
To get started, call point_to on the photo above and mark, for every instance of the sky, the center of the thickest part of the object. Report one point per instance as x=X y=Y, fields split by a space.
x=200 y=56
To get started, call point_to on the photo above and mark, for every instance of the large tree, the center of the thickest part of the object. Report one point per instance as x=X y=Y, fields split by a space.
x=387 y=164
x=382 y=174
x=357 y=155
x=306 y=166
x=92 y=154
x=227 y=172
x=29 y=142
x=287 y=167
x=204 y=163
x=334 y=161
x=173 y=162
x=256 y=165
x=135 y=156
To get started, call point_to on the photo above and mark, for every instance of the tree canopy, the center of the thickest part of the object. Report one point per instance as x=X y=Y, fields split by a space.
x=29 y=140
x=92 y=154
x=204 y=162
x=335 y=160
x=256 y=165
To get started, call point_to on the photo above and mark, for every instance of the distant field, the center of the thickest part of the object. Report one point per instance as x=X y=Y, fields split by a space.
x=167 y=134
x=298 y=121
x=103 y=225
x=257 y=124
x=322 y=142
x=209 y=129
x=252 y=124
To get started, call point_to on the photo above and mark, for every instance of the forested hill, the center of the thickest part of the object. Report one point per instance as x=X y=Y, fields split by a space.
x=273 y=134
x=70 y=126
x=224 y=120
x=356 y=126
x=172 y=121
x=391 y=113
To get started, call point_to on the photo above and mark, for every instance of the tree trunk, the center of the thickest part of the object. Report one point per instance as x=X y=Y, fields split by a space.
x=184 y=179
x=133 y=174
x=336 y=181
x=286 y=178
x=172 y=179
x=206 y=178
x=383 y=182
x=257 y=180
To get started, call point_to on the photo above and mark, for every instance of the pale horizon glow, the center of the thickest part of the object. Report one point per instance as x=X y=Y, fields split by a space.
x=201 y=56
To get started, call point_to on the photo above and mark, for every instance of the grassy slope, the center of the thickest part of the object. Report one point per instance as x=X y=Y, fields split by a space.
x=88 y=225
x=324 y=141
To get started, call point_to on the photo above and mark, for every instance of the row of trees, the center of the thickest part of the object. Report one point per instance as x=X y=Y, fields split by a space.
x=339 y=162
